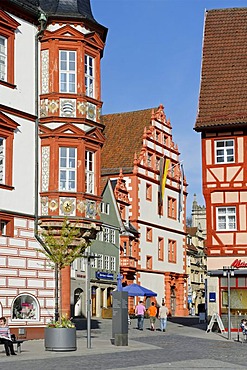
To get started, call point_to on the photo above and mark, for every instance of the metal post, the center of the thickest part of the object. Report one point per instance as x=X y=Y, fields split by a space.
x=56 y=292
x=229 y=303
x=88 y=301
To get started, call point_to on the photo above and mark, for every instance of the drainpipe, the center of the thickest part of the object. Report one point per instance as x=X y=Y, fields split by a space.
x=42 y=21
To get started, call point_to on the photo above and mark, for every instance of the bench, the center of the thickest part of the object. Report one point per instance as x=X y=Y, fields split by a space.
x=18 y=343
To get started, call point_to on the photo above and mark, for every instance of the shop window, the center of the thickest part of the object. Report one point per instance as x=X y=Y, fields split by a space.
x=172 y=208
x=25 y=307
x=149 y=192
x=149 y=262
x=161 y=249
x=149 y=235
x=172 y=251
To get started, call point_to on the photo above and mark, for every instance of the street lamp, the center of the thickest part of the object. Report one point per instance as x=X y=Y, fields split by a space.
x=228 y=271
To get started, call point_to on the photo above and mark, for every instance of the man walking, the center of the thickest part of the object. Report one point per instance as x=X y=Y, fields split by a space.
x=140 y=311
x=152 y=311
x=163 y=312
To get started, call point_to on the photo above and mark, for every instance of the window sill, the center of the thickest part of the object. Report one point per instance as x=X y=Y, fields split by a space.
x=6 y=187
x=7 y=84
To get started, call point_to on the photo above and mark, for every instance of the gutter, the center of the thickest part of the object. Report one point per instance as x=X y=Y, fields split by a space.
x=42 y=21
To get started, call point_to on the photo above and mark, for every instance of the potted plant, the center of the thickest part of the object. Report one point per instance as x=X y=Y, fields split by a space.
x=62 y=245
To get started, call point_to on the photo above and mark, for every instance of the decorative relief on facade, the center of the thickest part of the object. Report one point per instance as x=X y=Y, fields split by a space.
x=81 y=206
x=53 y=205
x=67 y=206
x=67 y=108
x=82 y=108
x=44 y=206
x=45 y=153
x=53 y=106
x=91 y=111
x=43 y=108
x=45 y=71
x=91 y=209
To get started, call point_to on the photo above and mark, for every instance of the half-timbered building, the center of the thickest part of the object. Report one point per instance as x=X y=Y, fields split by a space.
x=222 y=122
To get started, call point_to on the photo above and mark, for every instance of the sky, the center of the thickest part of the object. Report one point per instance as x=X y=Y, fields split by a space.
x=153 y=56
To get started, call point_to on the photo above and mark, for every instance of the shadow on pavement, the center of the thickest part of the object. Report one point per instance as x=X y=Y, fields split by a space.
x=189 y=321
x=81 y=323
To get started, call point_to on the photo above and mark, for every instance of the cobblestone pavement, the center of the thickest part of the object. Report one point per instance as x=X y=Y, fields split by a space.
x=185 y=345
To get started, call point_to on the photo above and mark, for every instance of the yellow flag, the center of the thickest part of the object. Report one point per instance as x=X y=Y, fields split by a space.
x=166 y=168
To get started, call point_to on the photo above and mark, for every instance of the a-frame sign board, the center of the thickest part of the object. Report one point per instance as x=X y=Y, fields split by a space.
x=216 y=318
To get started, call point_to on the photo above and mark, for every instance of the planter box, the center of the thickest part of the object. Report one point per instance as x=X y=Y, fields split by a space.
x=60 y=339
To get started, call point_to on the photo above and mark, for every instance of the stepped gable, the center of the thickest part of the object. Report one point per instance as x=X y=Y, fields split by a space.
x=124 y=137
x=223 y=91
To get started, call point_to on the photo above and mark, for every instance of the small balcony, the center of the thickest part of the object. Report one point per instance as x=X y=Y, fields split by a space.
x=128 y=263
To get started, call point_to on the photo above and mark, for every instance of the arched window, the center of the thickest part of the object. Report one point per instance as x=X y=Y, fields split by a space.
x=25 y=307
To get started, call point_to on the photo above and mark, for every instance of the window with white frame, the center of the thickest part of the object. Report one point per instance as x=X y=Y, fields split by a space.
x=106 y=231
x=3 y=228
x=224 y=151
x=89 y=172
x=105 y=208
x=2 y=160
x=124 y=248
x=25 y=307
x=107 y=262
x=3 y=58
x=100 y=261
x=94 y=261
x=89 y=76
x=67 y=169
x=113 y=263
x=112 y=236
x=82 y=264
x=226 y=218
x=67 y=71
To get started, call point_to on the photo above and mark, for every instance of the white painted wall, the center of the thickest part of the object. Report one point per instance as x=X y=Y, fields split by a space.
x=23 y=97
x=21 y=199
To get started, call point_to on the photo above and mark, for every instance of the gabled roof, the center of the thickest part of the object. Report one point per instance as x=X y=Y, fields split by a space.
x=124 y=135
x=223 y=91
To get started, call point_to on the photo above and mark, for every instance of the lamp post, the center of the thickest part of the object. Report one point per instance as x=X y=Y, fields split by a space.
x=228 y=271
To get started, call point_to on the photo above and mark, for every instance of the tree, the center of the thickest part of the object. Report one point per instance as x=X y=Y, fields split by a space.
x=62 y=245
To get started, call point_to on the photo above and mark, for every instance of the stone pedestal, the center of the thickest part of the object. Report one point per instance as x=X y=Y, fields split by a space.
x=120 y=318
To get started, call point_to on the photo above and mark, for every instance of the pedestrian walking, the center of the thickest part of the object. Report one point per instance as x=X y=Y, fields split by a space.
x=5 y=337
x=163 y=312
x=152 y=311
x=140 y=312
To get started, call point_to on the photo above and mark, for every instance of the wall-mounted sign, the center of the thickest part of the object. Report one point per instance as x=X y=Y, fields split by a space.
x=104 y=275
x=212 y=297
x=238 y=264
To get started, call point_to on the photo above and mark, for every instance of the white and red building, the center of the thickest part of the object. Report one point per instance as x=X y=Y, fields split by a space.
x=222 y=122
x=136 y=143
x=50 y=146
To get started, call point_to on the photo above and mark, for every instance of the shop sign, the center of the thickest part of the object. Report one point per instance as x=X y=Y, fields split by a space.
x=212 y=297
x=239 y=264
x=189 y=299
x=104 y=275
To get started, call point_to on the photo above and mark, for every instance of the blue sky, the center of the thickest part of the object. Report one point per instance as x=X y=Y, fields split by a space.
x=153 y=56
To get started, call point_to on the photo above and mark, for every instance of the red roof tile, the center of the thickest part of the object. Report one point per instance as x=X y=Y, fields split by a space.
x=223 y=92
x=124 y=135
